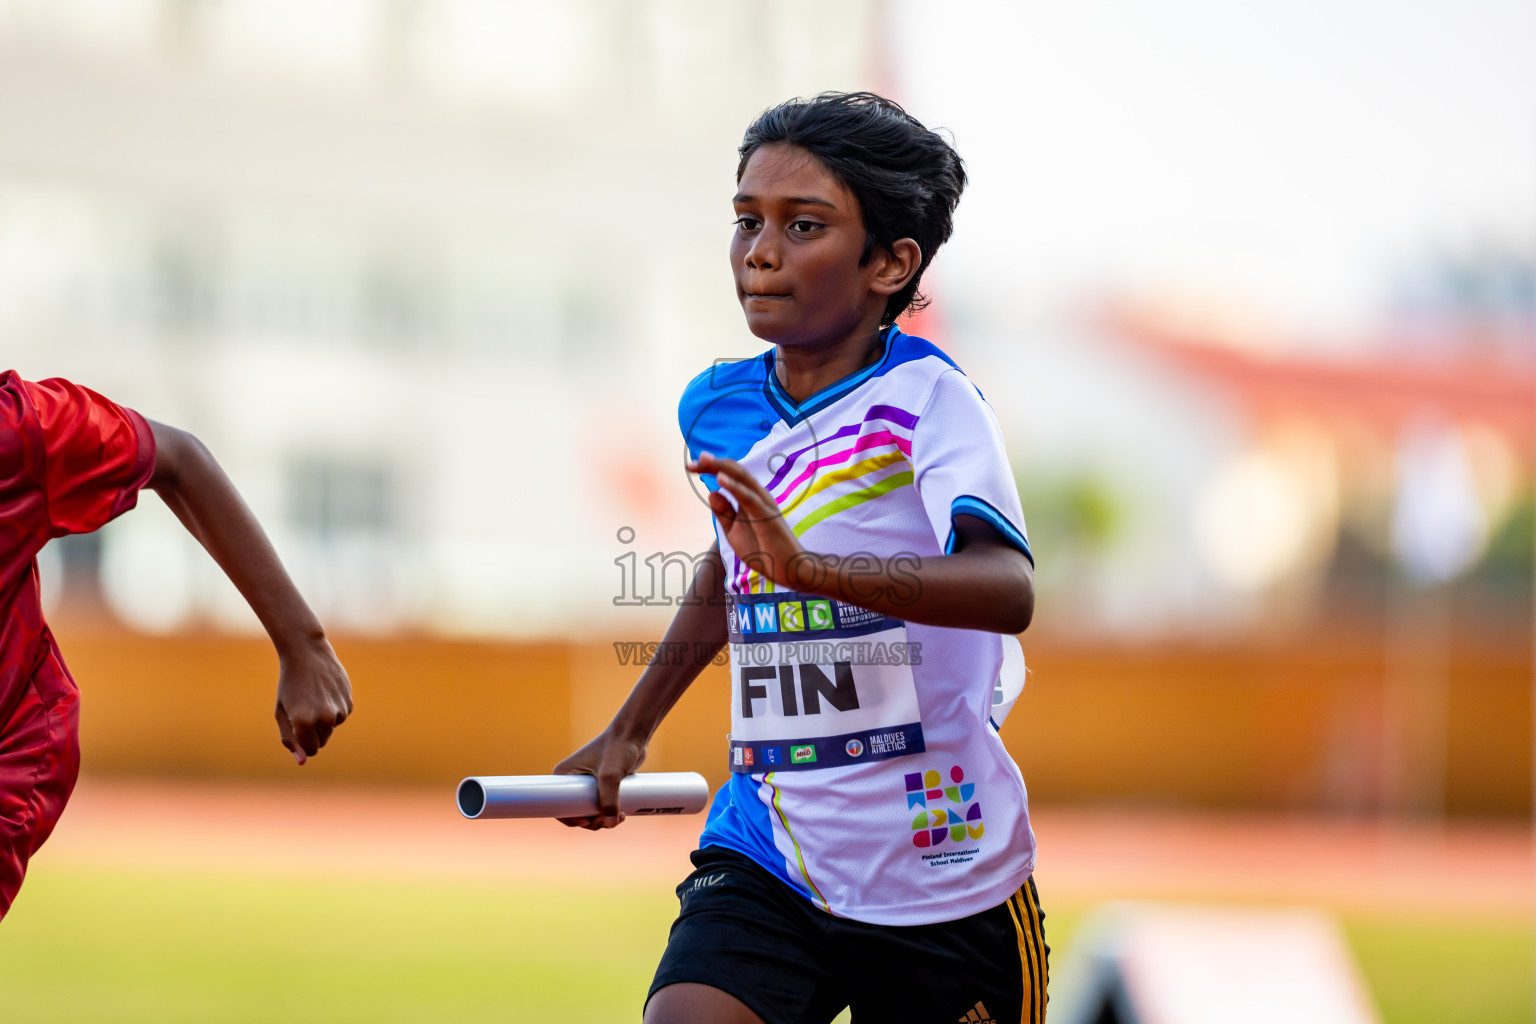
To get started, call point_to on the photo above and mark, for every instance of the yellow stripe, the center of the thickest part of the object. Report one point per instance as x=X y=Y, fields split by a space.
x=799 y=856
x=1039 y=957
x=1037 y=918
x=1026 y=1005
x=847 y=501
x=849 y=472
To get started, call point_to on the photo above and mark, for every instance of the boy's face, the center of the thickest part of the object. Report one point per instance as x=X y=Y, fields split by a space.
x=795 y=253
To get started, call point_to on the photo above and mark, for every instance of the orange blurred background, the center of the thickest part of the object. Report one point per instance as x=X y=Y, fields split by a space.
x=1237 y=725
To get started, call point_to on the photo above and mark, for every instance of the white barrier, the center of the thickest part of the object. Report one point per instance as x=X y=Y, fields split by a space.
x=1144 y=963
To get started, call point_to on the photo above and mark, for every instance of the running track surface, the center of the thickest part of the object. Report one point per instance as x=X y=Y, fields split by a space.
x=1085 y=855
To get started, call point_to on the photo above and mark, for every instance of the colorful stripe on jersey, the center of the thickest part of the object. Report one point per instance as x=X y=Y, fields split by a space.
x=871 y=457
x=741 y=819
x=817 y=898
x=888 y=415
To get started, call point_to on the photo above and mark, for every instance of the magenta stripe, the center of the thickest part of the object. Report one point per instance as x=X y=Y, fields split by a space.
x=889 y=413
x=848 y=431
x=878 y=439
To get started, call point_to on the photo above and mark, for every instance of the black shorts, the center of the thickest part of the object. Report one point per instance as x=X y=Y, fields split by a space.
x=746 y=932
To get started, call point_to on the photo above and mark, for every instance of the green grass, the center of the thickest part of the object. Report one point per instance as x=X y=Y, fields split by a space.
x=1454 y=971
x=88 y=947
x=91 y=946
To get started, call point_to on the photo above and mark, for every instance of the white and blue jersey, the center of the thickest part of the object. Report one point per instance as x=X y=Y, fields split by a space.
x=866 y=771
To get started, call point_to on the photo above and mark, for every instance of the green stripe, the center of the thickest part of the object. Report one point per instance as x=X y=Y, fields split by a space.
x=799 y=855
x=847 y=501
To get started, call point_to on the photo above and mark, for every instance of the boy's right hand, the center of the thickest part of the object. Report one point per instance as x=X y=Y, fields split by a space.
x=314 y=696
x=607 y=758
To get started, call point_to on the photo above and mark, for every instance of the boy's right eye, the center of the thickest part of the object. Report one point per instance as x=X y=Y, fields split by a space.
x=746 y=223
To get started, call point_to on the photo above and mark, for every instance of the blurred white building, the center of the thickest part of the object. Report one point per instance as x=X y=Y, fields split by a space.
x=428 y=277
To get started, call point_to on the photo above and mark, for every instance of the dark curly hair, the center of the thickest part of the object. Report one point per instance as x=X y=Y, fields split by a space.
x=906 y=178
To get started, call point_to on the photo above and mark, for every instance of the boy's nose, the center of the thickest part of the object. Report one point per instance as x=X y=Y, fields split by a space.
x=762 y=256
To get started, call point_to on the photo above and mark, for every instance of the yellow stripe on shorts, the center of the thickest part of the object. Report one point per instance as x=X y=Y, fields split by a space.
x=1024 y=908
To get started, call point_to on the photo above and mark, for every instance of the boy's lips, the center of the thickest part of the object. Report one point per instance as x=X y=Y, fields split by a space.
x=749 y=296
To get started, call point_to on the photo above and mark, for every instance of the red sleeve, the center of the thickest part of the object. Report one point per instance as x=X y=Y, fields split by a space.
x=99 y=455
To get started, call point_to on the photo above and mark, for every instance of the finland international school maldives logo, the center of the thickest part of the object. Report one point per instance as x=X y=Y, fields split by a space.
x=944 y=813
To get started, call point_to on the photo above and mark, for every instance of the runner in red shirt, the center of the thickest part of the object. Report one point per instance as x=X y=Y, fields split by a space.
x=70 y=462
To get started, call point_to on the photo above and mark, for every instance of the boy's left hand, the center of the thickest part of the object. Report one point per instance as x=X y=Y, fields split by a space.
x=314 y=696
x=755 y=526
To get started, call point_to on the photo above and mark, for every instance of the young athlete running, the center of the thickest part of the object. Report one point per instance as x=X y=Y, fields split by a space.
x=873 y=847
x=71 y=461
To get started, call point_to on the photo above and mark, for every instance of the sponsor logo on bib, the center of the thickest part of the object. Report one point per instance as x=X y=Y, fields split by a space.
x=818 y=614
x=854 y=748
x=802 y=755
x=765 y=618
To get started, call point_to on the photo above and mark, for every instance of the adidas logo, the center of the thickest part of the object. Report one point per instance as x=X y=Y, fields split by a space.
x=977 y=1015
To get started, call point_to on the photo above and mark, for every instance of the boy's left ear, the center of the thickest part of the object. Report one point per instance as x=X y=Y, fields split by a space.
x=900 y=263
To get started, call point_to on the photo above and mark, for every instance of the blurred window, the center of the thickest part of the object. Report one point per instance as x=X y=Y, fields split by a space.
x=348 y=556
x=183 y=286
x=588 y=325
x=401 y=305
x=332 y=498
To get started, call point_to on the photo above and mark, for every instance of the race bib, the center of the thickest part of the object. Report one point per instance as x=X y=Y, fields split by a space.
x=817 y=683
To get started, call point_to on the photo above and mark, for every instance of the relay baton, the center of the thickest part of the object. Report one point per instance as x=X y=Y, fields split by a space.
x=575 y=796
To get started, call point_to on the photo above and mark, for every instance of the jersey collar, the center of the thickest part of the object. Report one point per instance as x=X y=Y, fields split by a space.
x=792 y=412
